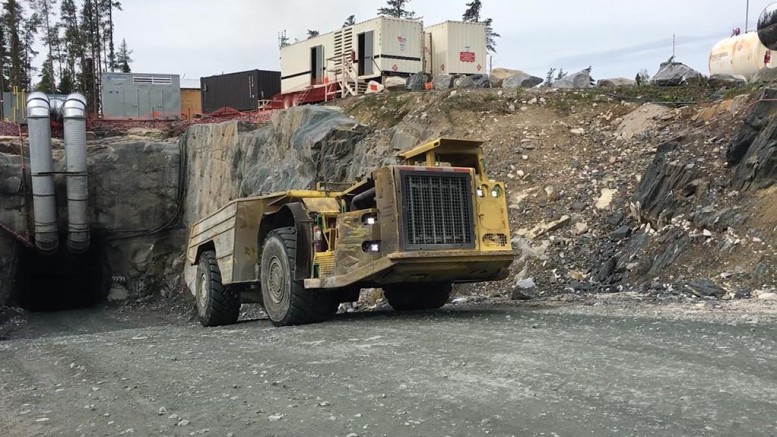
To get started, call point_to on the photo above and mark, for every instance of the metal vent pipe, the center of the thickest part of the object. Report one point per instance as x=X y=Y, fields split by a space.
x=74 y=115
x=42 y=169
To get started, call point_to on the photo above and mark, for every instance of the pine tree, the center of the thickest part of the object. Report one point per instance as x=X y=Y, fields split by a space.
x=30 y=27
x=13 y=18
x=73 y=44
x=66 y=83
x=45 y=10
x=350 y=21
x=3 y=64
x=283 y=39
x=123 y=59
x=312 y=33
x=396 y=9
x=47 y=82
x=491 y=36
x=91 y=63
x=107 y=7
x=472 y=14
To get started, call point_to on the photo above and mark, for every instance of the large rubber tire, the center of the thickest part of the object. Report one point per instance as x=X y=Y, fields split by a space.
x=286 y=301
x=417 y=296
x=217 y=304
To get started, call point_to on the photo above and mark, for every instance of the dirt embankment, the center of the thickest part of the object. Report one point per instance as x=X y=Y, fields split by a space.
x=611 y=192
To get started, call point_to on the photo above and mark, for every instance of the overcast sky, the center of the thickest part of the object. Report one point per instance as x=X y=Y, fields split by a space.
x=197 y=38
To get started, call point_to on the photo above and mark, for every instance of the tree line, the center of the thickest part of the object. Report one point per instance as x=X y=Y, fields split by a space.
x=78 y=42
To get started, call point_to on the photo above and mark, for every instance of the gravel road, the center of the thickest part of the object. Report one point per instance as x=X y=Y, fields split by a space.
x=502 y=370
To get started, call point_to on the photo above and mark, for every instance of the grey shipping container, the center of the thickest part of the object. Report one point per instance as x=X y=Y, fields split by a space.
x=241 y=91
x=136 y=96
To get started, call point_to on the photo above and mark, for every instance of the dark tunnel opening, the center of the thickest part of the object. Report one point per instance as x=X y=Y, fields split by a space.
x=62 y=281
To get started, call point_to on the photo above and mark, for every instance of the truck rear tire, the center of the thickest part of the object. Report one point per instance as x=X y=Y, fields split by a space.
x=217 y=304
x=417 y=296
x=286 y=301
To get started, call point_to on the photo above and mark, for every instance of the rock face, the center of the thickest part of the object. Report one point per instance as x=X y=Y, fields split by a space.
x=580 y=80
x=616 y=82
x=521 y=80
x=674 y=74
x=297 y=148
x=11 y=218
x=442 y=81
x=754 y=150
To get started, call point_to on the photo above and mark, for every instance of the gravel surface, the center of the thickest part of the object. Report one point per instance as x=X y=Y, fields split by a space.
x=494 y=369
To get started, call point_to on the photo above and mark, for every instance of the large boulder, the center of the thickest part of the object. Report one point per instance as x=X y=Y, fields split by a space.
x=579 y=80
x=463 y=82
x=481 y=81
x=504 y=73
x=676 y=73
x=395 y=83
x=417 y=82
x=443 y=81
x=765 y=75
x=616 y=82
x=726 y=81
x=522 y=80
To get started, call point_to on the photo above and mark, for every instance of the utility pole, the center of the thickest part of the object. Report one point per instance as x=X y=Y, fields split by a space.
x=674 y=45
x=747 y=16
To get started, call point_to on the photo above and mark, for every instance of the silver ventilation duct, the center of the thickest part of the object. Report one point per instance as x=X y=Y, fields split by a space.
x=74 y=115
x=42 y=168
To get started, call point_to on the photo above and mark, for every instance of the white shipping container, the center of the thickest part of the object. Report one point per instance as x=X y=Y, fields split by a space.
x=455 y=47
x=381 y=46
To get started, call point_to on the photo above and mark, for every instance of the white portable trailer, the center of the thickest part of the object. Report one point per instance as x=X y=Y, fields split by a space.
x=455 y=47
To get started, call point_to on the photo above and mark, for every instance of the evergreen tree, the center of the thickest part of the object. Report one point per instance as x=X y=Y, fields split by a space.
x=283 y=39
x=109 y=55
x=350 y=21
x=472 y=14
x=47 y=82
x=491 y=36
x=45 y=10
x=91 y=64
x=66 y=82
x=123 y=59
x=396 y=9
x=312 y=33
x=30 y=27
x=13 y=18
x=3 y=63
x=73 y=44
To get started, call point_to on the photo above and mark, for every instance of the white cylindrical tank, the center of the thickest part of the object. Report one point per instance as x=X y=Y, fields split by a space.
x=742 y=55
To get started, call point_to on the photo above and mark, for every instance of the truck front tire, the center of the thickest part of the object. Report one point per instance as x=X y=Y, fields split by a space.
x=417 y=296
x=217 y=304
x=286 y=301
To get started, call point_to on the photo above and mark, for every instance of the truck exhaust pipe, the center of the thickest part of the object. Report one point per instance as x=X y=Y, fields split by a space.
x=42 y=169
x=74 y=115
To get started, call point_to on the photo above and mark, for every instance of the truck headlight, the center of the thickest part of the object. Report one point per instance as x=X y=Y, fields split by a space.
x=371 y=246
x=496 y=192
x=369 y=219
x=481 y=191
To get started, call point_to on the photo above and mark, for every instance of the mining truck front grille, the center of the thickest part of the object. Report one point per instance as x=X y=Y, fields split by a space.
x=437 y=210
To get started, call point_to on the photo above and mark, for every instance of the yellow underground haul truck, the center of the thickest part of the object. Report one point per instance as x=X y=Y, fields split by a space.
x=412 y=229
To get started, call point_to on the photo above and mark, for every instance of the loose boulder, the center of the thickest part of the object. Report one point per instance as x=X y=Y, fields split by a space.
x=579 y=80
x=675 y=74
x=417 y=82
x=765 y=75
x=616 y=82
x=726 y=81
x=521 y=80
x=481 y=81
x=443 y=81
x=395 y=83
x=464 y=82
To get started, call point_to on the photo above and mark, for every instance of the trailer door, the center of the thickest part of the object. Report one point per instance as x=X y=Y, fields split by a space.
x=317 y=65
x=366 y=53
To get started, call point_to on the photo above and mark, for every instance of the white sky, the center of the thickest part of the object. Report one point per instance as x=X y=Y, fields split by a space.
x=197 y=38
